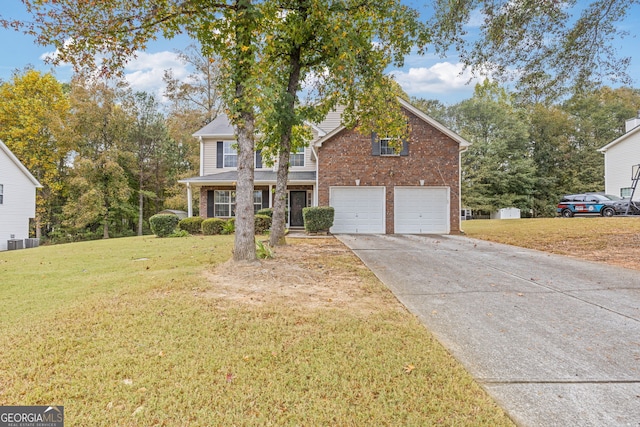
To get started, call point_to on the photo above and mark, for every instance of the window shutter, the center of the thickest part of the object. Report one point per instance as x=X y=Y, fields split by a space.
x=405 y=148
x=259 y=159
x=210 y=202
x=220 y=155
x=375 y=144
x=265 y=199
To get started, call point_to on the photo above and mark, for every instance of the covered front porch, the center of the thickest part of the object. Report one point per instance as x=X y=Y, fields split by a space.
x=217 y=193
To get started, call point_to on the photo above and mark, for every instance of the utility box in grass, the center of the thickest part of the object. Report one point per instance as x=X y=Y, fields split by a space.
x=31 y=242
x=14 y=244
x=506 y=213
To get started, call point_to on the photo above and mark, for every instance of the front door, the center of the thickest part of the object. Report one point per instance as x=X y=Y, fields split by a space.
x=297 y=201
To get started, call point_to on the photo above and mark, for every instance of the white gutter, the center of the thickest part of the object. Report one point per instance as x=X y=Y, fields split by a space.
x=201 y=157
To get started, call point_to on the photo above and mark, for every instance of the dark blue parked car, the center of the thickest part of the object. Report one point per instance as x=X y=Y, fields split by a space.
x=591 y=204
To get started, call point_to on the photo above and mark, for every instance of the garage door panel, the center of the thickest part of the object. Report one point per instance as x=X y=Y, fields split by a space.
x=358 y=209
x=421 y=210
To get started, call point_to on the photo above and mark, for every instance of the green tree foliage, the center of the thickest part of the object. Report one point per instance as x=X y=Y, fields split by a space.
x=112 y=31
x=550 y=133
x=157 y=156
x=547 y=45
x=345 y=47
x=497 y=170
x=33 y=113
x=100 y=190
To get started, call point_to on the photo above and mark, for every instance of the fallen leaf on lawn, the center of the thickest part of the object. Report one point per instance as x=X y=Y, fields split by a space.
x=229 y=377
x=127 y=381
x=408 y=369
x=138 y=410
x=161 y=354
x=142 y=390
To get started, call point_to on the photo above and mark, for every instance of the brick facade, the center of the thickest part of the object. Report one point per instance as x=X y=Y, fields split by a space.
x=433 y=157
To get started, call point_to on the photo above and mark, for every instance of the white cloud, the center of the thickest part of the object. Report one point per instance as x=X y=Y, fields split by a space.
x=145 y=72
x=439 y=80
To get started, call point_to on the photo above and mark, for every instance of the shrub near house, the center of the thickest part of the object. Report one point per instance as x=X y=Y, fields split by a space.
x=318 y=219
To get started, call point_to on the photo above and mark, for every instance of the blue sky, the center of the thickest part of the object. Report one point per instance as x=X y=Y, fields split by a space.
x=427 y=76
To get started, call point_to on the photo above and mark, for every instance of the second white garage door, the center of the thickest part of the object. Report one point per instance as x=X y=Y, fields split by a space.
x=421 y=210
x=358 y=209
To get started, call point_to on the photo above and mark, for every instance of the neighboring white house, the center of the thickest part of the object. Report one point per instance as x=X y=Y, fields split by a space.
x=619 y=158
x=17 y=198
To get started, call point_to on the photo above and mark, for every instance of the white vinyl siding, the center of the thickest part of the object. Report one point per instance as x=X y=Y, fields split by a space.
x=358 y=209
x=619 y=160
x=18 y=202
x=209 y=157
x=421 y=210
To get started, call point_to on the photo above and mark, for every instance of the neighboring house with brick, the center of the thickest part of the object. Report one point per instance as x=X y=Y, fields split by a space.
x=620 y=156
x=17 y=198
x=373 y=188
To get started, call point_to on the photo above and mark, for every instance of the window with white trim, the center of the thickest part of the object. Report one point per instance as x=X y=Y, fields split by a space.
x=229 y=155
x=224 y=202
x=297 y=158
x=1 y=194
x=387 y=149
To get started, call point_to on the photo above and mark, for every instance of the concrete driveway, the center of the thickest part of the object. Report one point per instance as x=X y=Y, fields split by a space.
x=555 y=341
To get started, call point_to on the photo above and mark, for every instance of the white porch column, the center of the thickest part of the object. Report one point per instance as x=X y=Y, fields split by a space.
x=189 y=200
x=270 y=196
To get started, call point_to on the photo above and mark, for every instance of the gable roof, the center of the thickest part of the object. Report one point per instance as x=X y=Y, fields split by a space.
x=619 y=139
x=462 y=143
x=220 y=127
x=20 y=166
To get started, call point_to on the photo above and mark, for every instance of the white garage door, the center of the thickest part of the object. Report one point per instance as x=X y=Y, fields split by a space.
x=421 y=210
x=358 y=209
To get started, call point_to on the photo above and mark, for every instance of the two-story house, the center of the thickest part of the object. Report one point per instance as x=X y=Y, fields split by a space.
x=373 y=188
x=17 y=198
x=621 y=158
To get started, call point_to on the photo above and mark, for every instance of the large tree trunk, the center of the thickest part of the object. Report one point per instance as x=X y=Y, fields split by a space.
x=243 y=106
x=276 y=236
x=245 y=246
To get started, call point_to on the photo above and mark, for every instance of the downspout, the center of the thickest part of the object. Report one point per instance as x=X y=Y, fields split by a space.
x=189 y=200
x=315 y=187
x=460 y=188
x=201 y=157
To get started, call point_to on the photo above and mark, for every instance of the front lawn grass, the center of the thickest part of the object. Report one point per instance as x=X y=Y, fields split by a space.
x=118 y=332
x=565 y=236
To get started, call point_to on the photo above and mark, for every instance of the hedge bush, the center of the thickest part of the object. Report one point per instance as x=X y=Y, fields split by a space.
x=213 y=226
x=266 y=211
x=162 y=225
x=262 y=223
x=318 y=218
x=192 y=225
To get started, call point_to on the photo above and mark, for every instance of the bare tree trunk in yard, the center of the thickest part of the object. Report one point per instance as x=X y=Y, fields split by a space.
x=276 y=237
x=245 y=246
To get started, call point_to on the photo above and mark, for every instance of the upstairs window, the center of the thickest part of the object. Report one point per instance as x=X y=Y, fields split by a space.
x=387 y=149
x=230 y=155
x=297 y=158
x=384 y=147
